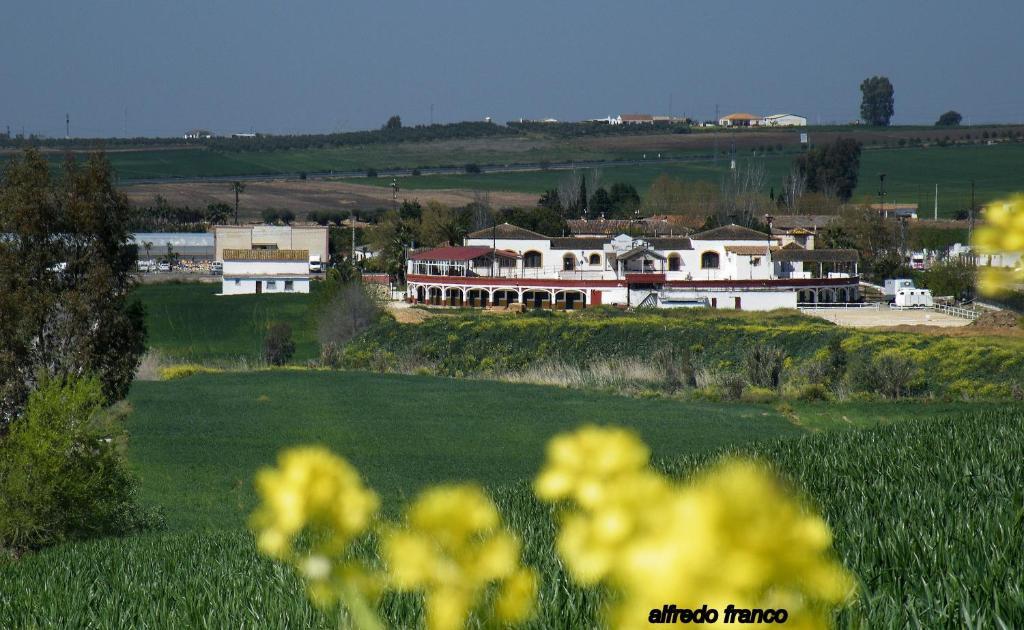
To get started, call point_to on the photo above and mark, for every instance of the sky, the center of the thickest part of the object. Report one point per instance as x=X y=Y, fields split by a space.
x=161 y=67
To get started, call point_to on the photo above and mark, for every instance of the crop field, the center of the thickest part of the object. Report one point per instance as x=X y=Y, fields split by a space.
x=911 y=175
x=188 y=322
x=197 y=441
x=894 y=495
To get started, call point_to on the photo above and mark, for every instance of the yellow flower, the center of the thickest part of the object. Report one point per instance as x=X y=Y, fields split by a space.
x=311 y=487
x=1002 y=233
x=452 y=549
x=733 y=536
x=516 y=597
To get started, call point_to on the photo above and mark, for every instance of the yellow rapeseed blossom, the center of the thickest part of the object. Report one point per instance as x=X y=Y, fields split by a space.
x=311 y=488
x=1002 y=233
x=731 y=537
x=452 y=549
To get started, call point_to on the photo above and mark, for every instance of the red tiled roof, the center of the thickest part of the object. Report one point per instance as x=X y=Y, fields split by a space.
x=459 y=253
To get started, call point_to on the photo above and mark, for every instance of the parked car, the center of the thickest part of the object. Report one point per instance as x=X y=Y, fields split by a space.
x=164 y=266
x=147 y=266
x=216 y=267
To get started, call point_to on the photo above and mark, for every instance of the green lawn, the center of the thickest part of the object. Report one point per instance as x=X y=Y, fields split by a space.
x=190 y=322
x=196 y=442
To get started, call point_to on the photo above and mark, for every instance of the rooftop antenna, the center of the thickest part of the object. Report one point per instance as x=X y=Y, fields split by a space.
x=67 y=126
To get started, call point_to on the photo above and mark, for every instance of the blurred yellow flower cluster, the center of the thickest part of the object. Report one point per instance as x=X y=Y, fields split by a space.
x=1002 y=233
x=453 y=548
x=733 y=536
x=311 y=488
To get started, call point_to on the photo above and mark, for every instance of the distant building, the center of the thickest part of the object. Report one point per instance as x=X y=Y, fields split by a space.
x=243 y=135
x=783 y=120
x=197 y=134
x=801 y=229
x=896 y=210
x=312 y=239
x=637 y=119
x=257 y=271
x=739 y=119
x=184 y=245
x=607 y=120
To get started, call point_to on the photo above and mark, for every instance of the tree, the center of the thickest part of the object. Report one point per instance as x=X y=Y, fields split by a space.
x=550 y=200
x=278 y=347
x=876 y=106
x=583 y=198
x=625 y=200
x=66 y=268
x=665 y=196
x=440 y=225
x=832 y=169
x=350 y=308
x=395 y=122
x=874 y=238
x=949 y=119
x=62 y=473
x=541 y=220
x=600 y=203
x=237 y=187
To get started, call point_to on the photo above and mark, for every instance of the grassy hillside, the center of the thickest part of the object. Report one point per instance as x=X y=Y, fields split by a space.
x=197 y=441
x=190 y=322
x=895 y=497
x=471 y=343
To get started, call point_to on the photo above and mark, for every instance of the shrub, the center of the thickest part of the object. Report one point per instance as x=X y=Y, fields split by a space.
x=889 y=373
x=278 y=346
x=758 y=395
x=677 y=366
x=371 y=172
x=172 y=372
x=472 y=169
x=62 y=476
x=812 y=392
x=762 y=365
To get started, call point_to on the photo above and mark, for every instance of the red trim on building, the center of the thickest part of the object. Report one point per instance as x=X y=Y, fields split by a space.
x=645 y=278
x=779 y=283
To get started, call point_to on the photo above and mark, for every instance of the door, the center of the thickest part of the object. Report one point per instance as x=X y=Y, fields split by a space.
x=737 y=303
x=259 y=287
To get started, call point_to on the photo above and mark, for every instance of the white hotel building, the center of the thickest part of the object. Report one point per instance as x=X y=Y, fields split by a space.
x=729 y=267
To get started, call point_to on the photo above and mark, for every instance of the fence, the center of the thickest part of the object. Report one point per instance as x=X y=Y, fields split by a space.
x=821 y=306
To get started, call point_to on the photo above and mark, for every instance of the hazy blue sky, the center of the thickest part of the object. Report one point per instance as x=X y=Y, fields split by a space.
x=322 y=65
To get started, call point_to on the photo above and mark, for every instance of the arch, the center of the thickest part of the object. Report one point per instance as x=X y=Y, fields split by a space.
x=504 y=297
x=532 y=259
x=595 y=259
x=841 y=295
x=826 y=296
x=478 y=297
x=709 y=260
x=435 y=295
x=454 y=296
x=537 y=298
x=570 y=299
x=675 y=262
x=421 y=294
x=569 y=262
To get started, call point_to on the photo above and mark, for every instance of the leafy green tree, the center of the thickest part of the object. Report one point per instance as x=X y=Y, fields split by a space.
x=625 y=200
x=62 y=473
x=66 y=272
x=600 y=203
x=877 y=103
x=395 y=122
x=956 y=277
x=949 y=119
x=278 y=346
x=831 y=169
x=546 y=221
x=441 y=225
x=551 y=201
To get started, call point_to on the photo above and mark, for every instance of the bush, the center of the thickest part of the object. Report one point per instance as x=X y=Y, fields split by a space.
x=758 y=395
x=347 y=309
x=278 y=346
x=762 y=365
x=677 y=366
x=183 y=370
x=371 y=172
x=62 y=476
x=472 y=169
x=812 y=392
x=888 y=373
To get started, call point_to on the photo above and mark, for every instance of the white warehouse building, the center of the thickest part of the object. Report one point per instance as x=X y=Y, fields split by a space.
x=783 y=120
x=257 y=271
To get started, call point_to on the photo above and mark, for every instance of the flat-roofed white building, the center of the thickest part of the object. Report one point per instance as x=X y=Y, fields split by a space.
x=313 y=239
x=258 y=271
x=783 y=120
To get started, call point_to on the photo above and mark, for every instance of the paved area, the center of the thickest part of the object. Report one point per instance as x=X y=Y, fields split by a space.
x=884 y=316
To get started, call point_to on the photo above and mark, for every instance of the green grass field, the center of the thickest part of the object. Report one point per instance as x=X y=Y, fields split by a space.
x=911 y=175
x=925 y=510
x=190 y=322
x=197 y=442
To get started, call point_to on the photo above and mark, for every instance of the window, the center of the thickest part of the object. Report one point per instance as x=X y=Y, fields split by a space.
x=709 y=260
x=238 y=282
x=674 y=262
x=531 y=259
x=595 y=259
x=289 y=285
x=569 y=262
x=271 y=284
x=505 y=261
x=755 y=261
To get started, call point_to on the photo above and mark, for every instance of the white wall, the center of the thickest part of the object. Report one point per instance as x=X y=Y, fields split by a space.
x=247 y=286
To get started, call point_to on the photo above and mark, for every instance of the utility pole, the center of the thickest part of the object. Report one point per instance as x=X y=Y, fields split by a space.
x=716 y=133
x=936 y=202
x=881 y=194
x=353 y=220
x=67 y=126
x=970 y=215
